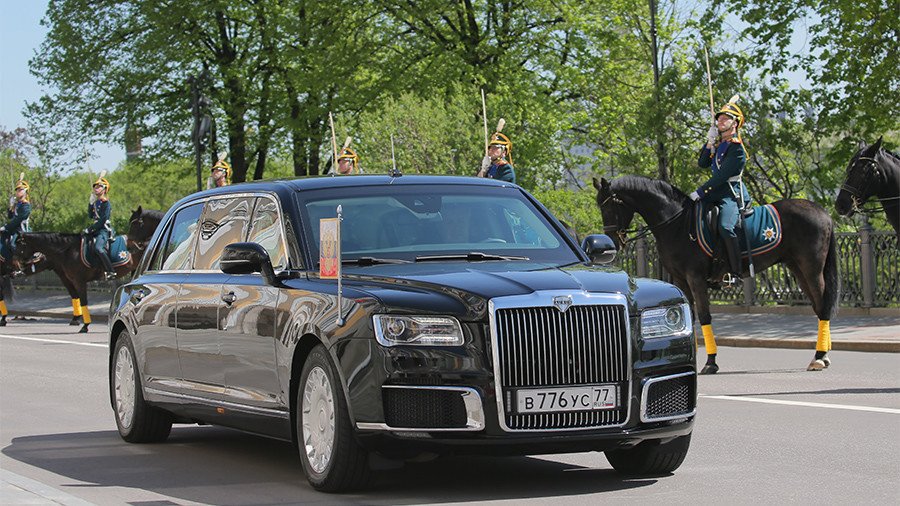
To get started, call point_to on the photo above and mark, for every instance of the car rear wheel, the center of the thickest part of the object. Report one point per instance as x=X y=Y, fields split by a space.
x=650 y=457
x=138 y=422
x=332 y=459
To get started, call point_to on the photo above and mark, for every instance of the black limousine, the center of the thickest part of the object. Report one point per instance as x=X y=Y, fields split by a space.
x=465 y=320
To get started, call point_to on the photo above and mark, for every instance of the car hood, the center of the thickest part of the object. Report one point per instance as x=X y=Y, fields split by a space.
x=463 y=288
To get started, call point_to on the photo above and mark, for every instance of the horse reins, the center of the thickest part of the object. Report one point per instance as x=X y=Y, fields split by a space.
x=642 y=231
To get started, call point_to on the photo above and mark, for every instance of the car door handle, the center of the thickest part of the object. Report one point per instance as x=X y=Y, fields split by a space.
x=229 y=298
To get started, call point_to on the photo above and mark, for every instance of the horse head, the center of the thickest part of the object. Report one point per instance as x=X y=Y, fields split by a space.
x=141 y=225
x=616 y=214
x=863 y=176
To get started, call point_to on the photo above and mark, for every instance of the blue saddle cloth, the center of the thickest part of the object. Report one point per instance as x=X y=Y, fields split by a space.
x=118 y=253
x=763 y=227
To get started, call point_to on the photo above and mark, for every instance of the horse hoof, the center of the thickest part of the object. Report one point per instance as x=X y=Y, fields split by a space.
x=75 y=321
x=826 y=361
x=709 y=369
x=818 y=365
x=84 y=330
x=3 y=322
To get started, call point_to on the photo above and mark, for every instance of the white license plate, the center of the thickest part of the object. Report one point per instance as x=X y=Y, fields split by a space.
x=553 y=400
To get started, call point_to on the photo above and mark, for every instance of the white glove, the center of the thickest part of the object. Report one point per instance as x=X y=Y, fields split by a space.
x=485 y=163
x=86 y=231
x=711 y=135
x=12 y=202
x=3 y=228
x=694 y=196
x=93 y=198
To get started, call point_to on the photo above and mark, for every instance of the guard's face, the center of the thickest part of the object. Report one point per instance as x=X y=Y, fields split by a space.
x=724 y=123
x=345 y=165
x=20 y=193
x=99 y=189
x=496 y=151
x=218 y=173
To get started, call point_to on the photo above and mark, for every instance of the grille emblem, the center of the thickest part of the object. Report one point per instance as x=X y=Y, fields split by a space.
x=562 y=302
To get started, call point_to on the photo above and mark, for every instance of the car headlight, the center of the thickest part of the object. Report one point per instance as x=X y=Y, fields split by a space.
x=394 y=330
x=667 y=321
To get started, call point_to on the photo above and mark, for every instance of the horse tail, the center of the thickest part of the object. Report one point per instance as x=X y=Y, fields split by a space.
x=832 y=277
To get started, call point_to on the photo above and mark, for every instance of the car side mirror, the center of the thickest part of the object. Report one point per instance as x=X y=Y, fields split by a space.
x=247 y=258
x=600 y=248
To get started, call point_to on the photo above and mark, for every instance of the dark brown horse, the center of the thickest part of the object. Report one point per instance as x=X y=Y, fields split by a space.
x=873 y=172
x=63 y=251
x=13 y=267
x=807 y=248
x=141 y=225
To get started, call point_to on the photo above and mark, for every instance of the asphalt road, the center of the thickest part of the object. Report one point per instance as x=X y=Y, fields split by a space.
x=767 y=432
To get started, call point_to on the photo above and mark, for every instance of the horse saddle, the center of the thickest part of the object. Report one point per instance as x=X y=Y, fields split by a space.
x=762 y=225
x=117 y=251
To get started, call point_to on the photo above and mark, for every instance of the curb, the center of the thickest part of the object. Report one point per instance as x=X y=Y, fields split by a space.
x=95 y=318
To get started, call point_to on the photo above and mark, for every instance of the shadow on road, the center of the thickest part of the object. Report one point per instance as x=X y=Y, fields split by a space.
x=219 y=466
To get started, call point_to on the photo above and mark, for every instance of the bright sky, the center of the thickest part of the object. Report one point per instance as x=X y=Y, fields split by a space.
x=21 y=34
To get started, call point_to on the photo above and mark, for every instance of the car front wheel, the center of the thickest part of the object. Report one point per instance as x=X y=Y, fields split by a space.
x=332 y=459
x=650 y=457
x=138 y=422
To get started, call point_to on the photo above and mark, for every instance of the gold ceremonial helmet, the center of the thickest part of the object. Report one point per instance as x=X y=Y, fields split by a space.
x=22 y=185
x=734 y=111
x=102 y=182
x=222 y=164
x=349 y=154
x=499 y=139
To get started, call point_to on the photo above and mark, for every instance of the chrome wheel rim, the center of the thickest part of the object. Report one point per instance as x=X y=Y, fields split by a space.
x=125 y=382
x=318 y=419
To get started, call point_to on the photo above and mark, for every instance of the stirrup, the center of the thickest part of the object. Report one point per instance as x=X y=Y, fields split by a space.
x=730 y=279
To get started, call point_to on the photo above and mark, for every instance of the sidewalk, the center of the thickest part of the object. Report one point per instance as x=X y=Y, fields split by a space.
x=851 y=330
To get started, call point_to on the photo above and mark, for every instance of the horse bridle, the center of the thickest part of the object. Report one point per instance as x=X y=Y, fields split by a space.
x=140 y=246
x=857 y=195
x=641 y=232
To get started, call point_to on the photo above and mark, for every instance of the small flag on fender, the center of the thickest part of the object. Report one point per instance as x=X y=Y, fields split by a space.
x=329 y=247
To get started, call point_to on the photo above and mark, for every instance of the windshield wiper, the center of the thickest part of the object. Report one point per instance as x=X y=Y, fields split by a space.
x=472 y=256
x=373 y=261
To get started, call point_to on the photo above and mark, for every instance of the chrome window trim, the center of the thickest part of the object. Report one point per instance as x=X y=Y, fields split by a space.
x=471 y=399
x=216 y=403
x=204 y=200
x=645 y=389
x=544 y=298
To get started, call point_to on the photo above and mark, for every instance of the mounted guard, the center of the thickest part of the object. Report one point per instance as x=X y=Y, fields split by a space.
x=348 y=162
x=497 y=163
x=100 y=211
x=17 y=219
x=725 y=155
x=220 y=173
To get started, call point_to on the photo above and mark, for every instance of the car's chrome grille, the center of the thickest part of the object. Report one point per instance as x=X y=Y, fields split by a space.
x=545 y=347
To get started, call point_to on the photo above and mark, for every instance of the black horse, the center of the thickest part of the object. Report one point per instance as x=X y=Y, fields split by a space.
x=873 y=171
x=63 y=251
x=807 y=248
x=141 y=225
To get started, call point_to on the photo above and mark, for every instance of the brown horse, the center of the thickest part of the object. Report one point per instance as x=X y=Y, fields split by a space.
x=63 y=251
x=808 y=249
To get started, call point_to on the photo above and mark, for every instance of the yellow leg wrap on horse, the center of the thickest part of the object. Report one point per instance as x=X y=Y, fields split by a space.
x=708 y=340
x=3 y=311
x=823 y=341
x=85 y=315
x=76 y=307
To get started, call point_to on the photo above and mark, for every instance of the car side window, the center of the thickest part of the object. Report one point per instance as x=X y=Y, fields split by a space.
x=225 y=221
x=266 y=230
x=176 y=253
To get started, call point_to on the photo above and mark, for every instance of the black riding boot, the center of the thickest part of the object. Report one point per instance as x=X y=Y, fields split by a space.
x=733 y=251
x=107 y=265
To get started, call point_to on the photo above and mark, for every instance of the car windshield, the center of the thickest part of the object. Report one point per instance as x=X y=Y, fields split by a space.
x=415 y=222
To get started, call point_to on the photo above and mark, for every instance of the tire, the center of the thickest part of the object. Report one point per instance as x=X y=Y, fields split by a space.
x=138 y=422
x=332 y=459
x=650 y=457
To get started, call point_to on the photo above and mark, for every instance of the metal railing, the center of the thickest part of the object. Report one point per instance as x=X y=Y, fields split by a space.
x=869 y=263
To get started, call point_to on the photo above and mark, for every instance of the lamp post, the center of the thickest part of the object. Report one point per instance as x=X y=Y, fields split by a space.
x=202 y=123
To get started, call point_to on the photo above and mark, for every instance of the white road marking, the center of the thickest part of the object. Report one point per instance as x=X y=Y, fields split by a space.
x=801 y=403
x=58 y=341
